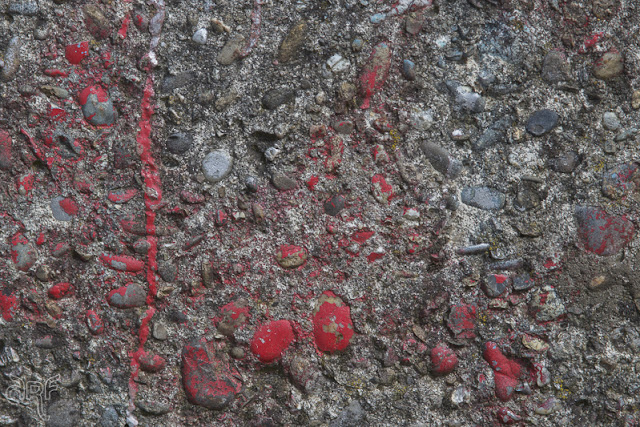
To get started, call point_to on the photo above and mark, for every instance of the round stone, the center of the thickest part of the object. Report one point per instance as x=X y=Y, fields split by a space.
x=179 y=142
x=217 y=165
x=610 y=121
x=609 y=66
x=63 y=209
x=541 y=122
x=97 y=107
x=271 y=340
x=200 y=36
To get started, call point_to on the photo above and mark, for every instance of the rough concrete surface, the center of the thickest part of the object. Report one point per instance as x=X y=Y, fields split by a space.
x=319 y=213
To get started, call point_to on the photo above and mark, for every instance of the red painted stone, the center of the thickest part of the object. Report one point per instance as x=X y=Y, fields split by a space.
x=122 y=196
x=151 y=362
x=332 y=325
x=506 y=372
x=94 y=323
x=122 y=263
x=291 y=256
x=462 y=321
x=443 y=359
x=382 y=191
x=208 y=380
x=76 y=52
x=69 y=206
x=271 y=340
x=60 y=290
x=93 y=90
x=8 y=304
x=601 y=233
x=507 y=416
x=375 y=72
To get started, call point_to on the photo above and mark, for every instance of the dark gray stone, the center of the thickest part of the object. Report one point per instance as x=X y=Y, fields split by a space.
x=27 y=8
x=334 y=205
x=109 y=417
x=283 y=182
x=441 y=160
x=276 y=97
x=495 y=284
x=483 y=198
x=602 y=233
x=555 y=67
x=170 y=83
x=168 y=271
x=565 y=163
x=57 y=211
x=98 y=113
x=494 y=134
x=541 y=122
x=523 y=282
x=179 y=142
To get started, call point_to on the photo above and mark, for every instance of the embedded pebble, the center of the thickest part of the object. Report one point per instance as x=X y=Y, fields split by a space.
x=541 y=122
x=217 y=165
x=483 y=198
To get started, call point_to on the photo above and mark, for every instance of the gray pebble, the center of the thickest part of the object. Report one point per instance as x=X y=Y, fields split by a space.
x=555 y=67
x=283 y=182
x=231 y=50
x=98 y=113
x=57 y=211
x=252 y=184
x=495 y=285
x=441 y=160
x=168 y=271
x=483 y=198
x=109 y=417
x=134 y=296
x=11 y=60
x=27 y=8
x=610 y=121
x=409 y=69
x=217 y=165
x=200 y=36
x=541 y=122
x=523 y=282
x=351 y=416
x=465 y=98
x=159 y=331
x=494 y=134
x=179 y=142
x=170 y=83
x=565 y=163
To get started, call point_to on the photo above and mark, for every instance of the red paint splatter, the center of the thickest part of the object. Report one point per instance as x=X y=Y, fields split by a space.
x=313 y=181
x=76 y=52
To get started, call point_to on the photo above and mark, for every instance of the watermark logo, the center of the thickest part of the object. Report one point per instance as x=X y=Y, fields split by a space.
x=33 y=393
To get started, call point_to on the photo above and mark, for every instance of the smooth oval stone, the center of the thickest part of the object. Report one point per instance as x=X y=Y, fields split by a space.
x=541 y=122
x=217 y=165
x=483 y=198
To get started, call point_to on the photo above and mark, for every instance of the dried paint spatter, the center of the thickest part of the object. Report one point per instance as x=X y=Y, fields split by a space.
x=507 y=373
x=271 y=340
x=332 y=325
x=76 y=52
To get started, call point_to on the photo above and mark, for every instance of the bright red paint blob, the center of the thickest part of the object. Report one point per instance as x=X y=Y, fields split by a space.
x=76 y=52
x=271 y=340
x=332 y=325
x=60 y=290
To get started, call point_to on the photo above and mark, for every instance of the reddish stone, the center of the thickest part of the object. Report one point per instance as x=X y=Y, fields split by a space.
x=332 y=325
x=506 y=372
x=8 y=304
x=23 y=253
x=271 y=340
x=601 y=233
x=462 y=321
x=291 y=256
x=76 y=52
x=382 y=191
x=375 y=72
x=122 y=196
x=151 y=362
x=60 y=290
x=94 y=323
x=122 y=263
x=208 y=381
x=5 y=150
x=443 y=359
